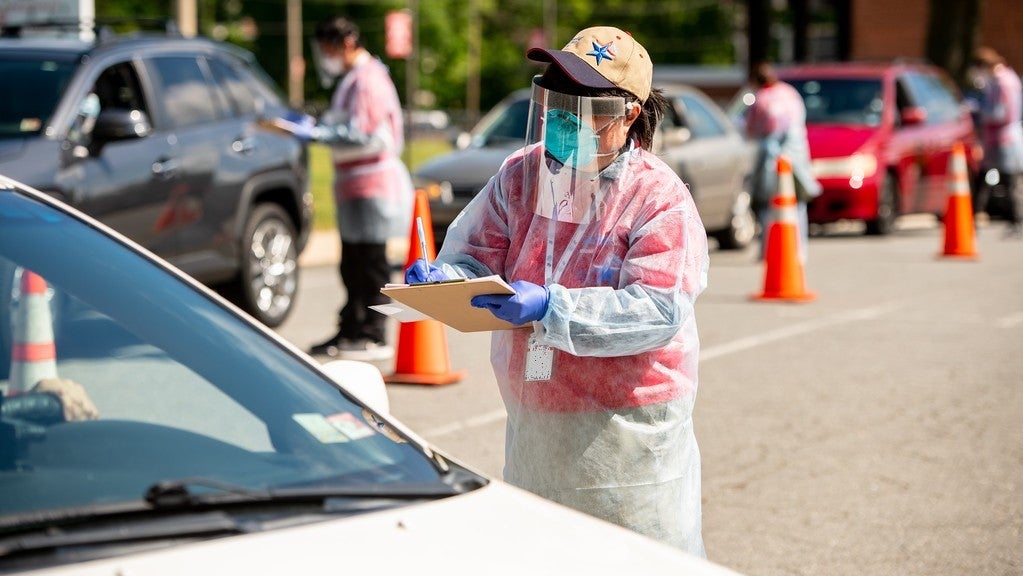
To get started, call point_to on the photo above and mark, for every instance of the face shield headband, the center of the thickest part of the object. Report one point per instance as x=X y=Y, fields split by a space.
x=567 y=138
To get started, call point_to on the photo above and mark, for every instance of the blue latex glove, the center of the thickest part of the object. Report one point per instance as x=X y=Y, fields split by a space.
x=304 y=125
x=420 y=272
x=529 y=303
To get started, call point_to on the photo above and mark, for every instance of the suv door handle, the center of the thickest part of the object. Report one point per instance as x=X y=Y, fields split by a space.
x=166 y=169
x=245 y=145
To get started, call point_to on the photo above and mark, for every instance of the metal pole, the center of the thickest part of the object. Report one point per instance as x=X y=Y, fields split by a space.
x=472 y=93
x=188 y=18
x=296 y=63
x=411 y=81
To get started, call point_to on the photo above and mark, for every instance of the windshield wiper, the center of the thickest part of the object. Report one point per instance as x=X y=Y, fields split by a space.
x=207 y=513
x=176 y=493
x=112 y=530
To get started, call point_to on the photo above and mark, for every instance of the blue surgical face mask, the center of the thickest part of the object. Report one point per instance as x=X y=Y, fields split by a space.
x=569 y=140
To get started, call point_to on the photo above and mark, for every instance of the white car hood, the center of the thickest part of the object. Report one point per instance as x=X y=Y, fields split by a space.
x=495 y=530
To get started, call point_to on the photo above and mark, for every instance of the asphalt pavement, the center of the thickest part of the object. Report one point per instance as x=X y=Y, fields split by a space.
x=875 y=431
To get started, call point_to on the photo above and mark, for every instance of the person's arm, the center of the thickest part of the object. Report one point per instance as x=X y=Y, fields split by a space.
x=664 y=271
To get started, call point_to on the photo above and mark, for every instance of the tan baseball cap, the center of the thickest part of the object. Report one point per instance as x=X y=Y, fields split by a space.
x=603 y=57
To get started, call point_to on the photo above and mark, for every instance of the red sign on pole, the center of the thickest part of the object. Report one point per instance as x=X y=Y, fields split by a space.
x=398 y=34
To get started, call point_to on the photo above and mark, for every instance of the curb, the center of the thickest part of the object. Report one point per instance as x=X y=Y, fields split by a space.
x=324 y=249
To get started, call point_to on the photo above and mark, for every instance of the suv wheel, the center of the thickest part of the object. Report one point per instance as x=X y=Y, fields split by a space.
x=742 y=228
x=268 y=279
x=887 y=209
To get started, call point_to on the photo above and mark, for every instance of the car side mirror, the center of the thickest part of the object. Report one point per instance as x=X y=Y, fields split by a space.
x=913 y=115
x=121 y=124
x=361 y=379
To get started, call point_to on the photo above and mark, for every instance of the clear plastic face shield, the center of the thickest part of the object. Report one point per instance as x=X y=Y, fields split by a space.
x=579 y=136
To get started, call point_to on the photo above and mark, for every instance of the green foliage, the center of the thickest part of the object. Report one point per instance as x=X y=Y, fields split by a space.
x=673 y=31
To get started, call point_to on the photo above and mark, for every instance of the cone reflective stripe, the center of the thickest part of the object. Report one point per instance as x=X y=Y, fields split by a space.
x=960 y=241
x=783 y=271
x=33 y=353
x=422 y=353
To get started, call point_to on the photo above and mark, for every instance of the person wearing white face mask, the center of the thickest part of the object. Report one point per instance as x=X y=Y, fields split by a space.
x=373 y=191
x=607 y=254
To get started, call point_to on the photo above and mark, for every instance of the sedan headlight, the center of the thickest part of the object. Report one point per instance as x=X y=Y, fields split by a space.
x=436 y=191
x=855 y=167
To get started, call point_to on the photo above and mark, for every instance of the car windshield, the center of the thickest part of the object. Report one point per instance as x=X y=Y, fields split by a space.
x=841 y=100
x=505 y=125
x=40 y=82
x=158 y=382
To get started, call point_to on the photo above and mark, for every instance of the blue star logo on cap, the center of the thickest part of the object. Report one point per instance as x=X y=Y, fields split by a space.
x=601 y=52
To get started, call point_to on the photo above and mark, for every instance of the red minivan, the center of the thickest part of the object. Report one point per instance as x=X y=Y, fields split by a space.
x=881 y=135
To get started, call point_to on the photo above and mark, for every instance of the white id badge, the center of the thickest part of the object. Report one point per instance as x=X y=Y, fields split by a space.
x=539 y=361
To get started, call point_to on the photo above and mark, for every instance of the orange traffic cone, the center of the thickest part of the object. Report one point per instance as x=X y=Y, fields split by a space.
x=422 y=354
x=783 y=272
x=33 y=353
x=959 y=231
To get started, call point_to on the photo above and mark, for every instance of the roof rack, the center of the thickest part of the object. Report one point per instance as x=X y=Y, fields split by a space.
x=103 y=30
x=19 y=29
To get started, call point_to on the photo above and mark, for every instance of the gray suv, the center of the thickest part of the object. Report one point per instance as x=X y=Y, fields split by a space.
x=160 y=137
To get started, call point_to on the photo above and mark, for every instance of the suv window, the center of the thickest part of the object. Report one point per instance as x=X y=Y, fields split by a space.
x=186 y=96
x=116 y=88
x=40 y=84
x=239 y=92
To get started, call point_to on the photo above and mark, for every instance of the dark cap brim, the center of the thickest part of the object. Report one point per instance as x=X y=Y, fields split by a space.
x=573 y=66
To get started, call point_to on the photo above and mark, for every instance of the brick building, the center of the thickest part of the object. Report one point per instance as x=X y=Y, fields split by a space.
x=898 y=28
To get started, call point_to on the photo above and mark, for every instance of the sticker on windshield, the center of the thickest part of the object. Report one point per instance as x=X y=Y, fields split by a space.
x=350 y=426
x=320 y=428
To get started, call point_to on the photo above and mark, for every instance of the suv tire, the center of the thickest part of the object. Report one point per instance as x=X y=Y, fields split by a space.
x=267 y=281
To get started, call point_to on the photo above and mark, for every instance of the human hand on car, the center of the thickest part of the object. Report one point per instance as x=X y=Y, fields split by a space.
x=75 y=401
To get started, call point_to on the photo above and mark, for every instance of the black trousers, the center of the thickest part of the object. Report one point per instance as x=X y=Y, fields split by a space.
x=364 y=270
x=1013 y=191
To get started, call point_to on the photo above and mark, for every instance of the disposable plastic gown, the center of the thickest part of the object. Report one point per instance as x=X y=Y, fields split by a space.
x=372 y=187
x=1002 y=135
x=610 y=433
x=777 y=120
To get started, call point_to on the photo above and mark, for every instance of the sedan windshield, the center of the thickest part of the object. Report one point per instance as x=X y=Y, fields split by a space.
x=119 y=376
x=841 y=101
x=25 y=110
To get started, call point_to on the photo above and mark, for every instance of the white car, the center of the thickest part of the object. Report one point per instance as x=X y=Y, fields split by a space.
x=149 y=427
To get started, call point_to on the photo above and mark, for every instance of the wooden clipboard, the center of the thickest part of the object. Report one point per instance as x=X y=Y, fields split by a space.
x=448 y=301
